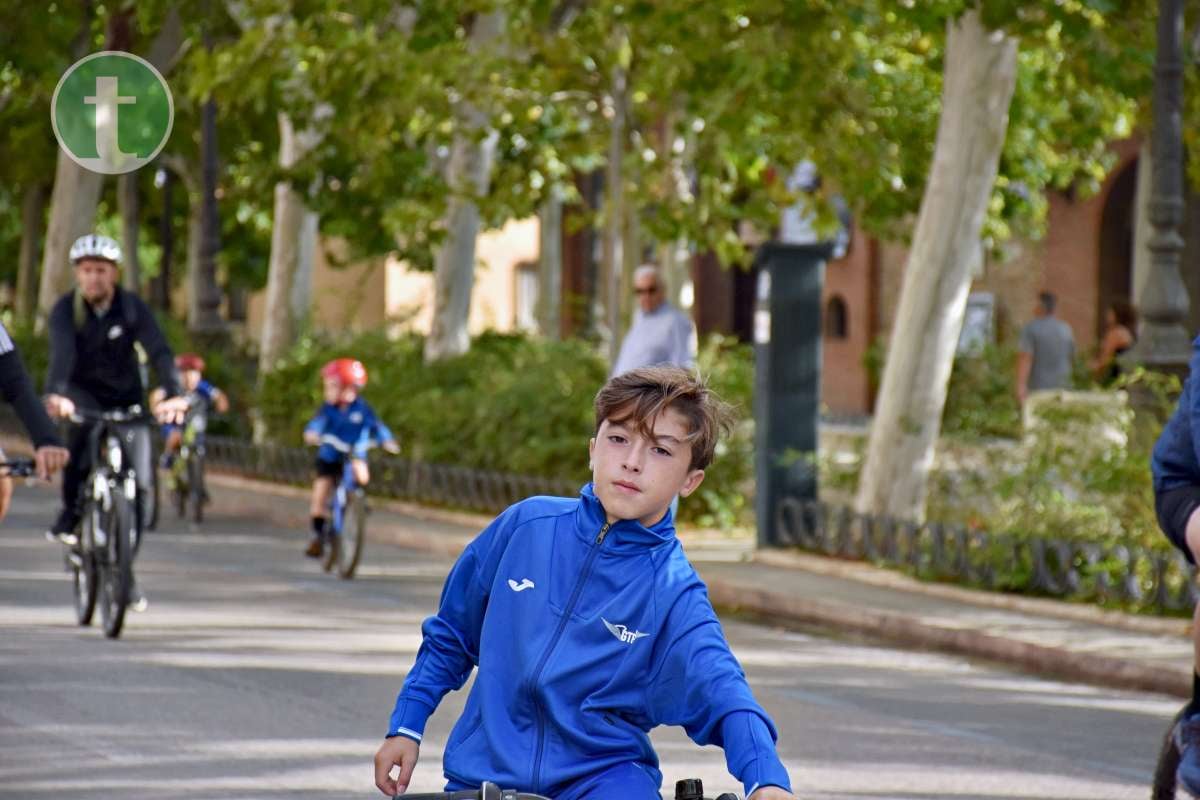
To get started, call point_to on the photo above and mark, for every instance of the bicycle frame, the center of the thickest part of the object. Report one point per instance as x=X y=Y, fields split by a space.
x=340 y=497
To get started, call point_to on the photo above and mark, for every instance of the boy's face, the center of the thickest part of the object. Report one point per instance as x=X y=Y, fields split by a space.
x=335 y=393
x=637 y=478
x=191 y=379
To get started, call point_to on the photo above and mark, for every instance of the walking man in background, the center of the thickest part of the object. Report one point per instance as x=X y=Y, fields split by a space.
x=1047 y=351
x=660 y=334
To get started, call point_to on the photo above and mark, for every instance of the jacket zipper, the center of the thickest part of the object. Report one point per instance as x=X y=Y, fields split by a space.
x=537 y=673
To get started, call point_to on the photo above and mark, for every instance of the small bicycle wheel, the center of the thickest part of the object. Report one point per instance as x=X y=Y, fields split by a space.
x=83 y=567
x=354 y=532
x=179 y=488
x=116 y=576
x=1168 y=762
x=153 y=499
x=195 y=478
x=333 y=546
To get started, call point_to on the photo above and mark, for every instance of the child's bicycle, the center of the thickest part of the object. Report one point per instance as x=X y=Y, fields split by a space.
x=187 y=471
x=346 y=525
x=689 y=789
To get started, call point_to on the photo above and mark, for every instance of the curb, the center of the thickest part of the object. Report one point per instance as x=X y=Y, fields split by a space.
x=903 y=629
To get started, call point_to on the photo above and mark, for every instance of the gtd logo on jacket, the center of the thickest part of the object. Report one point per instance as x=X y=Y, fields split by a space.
x=622 y=633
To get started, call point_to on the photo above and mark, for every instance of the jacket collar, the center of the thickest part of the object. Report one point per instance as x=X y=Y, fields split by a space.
x=624 y=535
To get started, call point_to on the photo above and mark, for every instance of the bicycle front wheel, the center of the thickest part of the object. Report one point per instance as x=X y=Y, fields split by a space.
x=354 y=532
x=116 y=578
x=1168 y=763
x=195 y=478
x=83 y=567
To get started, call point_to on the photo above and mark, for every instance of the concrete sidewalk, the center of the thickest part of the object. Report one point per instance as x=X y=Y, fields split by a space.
x=1069 y=641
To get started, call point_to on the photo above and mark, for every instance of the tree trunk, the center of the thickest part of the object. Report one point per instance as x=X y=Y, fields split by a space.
x=302 y=286
x=129 y=207
x=614 y=253
x=549 y=304
x=162 y=283
x=279 y=326
x=72 y=212
x=204 y=316
x=33 y=210
x=980 y=74
x=468 y=175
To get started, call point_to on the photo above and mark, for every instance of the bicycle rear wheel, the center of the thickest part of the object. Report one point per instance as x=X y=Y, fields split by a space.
x=1168 y=762
x=354 y=531
x=116 y=574
x=195 y=478
x=83 y=567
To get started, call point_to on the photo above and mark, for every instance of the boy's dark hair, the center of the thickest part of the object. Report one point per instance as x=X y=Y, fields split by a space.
x=642 y=394
x=1048 y=301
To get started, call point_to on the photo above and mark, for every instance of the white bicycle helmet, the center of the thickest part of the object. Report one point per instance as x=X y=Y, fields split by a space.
x=95 y=246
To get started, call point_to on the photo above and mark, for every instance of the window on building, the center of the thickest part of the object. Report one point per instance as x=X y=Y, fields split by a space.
x=836 y=323
x=525 y=307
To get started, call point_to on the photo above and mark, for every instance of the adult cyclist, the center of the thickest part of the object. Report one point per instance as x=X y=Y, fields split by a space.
x=94 y=365
x=17 y=389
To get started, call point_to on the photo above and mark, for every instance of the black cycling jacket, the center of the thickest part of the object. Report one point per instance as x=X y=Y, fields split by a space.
x=98 y=357
x=17 y=390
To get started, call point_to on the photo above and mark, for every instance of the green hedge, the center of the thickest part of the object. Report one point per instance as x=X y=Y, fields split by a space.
x=512 y=403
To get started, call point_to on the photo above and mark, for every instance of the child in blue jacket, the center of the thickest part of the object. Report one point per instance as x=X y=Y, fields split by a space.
x=345 y=427
x=588 y=625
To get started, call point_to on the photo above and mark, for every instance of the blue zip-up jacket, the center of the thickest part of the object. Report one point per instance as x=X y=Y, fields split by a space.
x=1175 y=461
x=349 y=431
x=586 y=636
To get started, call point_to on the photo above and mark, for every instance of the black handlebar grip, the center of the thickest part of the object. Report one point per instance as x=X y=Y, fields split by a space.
x=689 y=789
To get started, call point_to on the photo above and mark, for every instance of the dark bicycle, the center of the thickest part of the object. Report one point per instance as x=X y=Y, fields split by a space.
x=188 y=489
x=110 y=530
x=1164 y=787
x=688 y=789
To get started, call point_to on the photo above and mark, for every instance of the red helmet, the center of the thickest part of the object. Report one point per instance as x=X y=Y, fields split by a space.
x=186 y=361
x=348 y=371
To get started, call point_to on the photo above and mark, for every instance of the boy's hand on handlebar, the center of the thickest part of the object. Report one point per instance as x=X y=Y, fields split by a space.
x=391 y=446
x=312 y=438
x=172 y=410
x=59 y=407
x=397 y=751
x=49 y=460
x=771 y=793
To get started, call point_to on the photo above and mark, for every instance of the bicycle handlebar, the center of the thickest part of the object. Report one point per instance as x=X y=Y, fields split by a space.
x=131 y=414
x=18 y=467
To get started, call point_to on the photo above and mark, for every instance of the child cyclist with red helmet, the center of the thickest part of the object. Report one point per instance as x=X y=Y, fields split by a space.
x=201 y=396
x=344 y=427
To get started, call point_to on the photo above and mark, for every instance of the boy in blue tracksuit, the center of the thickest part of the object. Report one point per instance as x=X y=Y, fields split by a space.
x=1175 y=465
x=589 y=626
x=345 y=427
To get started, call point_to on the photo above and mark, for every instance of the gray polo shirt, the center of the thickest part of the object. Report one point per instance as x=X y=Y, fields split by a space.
x=663 y=336
x=1050 y=341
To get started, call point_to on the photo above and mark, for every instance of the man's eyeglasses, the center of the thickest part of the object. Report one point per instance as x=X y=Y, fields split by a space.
x=645 y=290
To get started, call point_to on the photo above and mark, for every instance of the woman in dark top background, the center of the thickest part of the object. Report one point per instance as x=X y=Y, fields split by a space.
x=1120 y=332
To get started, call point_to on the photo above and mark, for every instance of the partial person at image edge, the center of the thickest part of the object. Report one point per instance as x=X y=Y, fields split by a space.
x=588 y=625
x=17 y=390
x=1175 y=466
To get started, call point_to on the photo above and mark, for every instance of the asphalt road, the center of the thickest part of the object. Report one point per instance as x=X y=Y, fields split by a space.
x=254 y=675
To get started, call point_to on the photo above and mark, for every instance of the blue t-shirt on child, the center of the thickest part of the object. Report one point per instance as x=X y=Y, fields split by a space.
x=349 y=430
